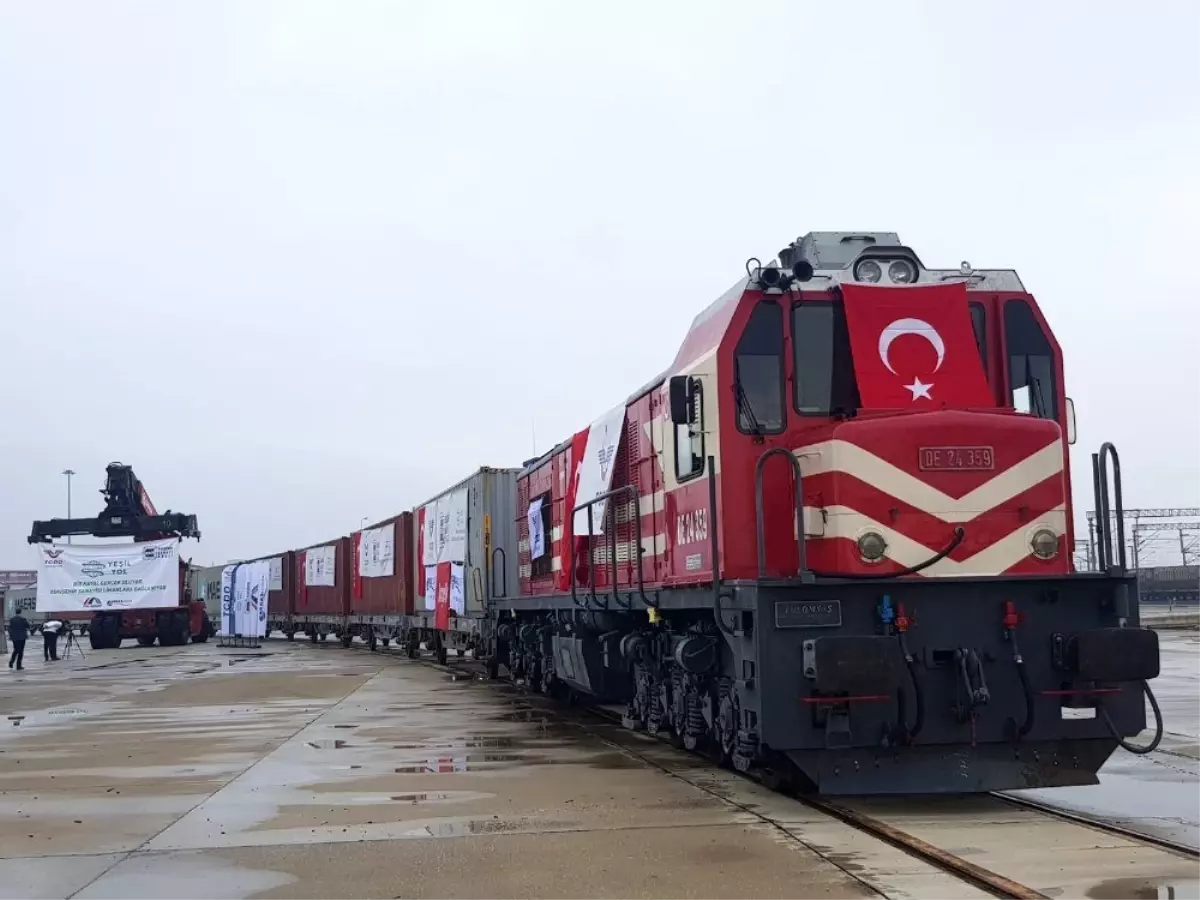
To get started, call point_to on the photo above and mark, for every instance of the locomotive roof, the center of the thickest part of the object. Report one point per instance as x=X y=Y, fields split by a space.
x=832 y=255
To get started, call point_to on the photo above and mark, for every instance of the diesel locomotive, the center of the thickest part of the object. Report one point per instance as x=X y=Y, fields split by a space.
x=832 y=541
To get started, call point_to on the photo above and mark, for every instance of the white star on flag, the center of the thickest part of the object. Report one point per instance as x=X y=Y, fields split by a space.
x=919 y=390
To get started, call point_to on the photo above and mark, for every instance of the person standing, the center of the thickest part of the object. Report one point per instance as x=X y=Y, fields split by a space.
x=18 y=633
x=50 y=630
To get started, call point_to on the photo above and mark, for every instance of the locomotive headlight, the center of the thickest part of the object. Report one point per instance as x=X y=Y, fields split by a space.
x=902 y=271
x=1044 y=544
x=872 y=546
x=868 y=270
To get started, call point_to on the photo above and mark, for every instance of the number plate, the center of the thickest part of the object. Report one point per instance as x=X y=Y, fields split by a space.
x=808 y=613
x=956 y=459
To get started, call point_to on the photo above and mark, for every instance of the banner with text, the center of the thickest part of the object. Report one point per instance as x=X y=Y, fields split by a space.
x=276 y=583
x=376 y=550
x=445 y=529
x=595 y=474
x=319 y=566
x=537 y=534
x=92 y=577
x=228 y=620
x=260 y=586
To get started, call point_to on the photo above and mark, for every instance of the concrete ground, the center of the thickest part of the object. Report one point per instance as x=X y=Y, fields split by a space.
x=298 y=771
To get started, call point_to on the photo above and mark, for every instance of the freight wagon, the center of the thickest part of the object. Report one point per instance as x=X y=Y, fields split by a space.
x=420 y=578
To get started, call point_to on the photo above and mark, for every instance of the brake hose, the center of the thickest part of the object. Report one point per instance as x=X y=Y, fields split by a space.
x=959 y=534
x=1158 y=725
x=917 y=692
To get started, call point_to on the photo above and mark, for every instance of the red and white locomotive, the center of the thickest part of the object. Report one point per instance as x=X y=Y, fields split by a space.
x=833 y=540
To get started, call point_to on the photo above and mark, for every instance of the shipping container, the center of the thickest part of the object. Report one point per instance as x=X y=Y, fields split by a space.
x=383 y=574
x=281 y=599
x=322 y=575
x=467 y=532
x=206 y=588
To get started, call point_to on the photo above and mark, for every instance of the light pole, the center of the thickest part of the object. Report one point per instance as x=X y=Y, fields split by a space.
x=362 y=523
x=68 y=473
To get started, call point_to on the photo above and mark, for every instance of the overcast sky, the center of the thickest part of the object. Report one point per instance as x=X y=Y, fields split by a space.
x=301 y=263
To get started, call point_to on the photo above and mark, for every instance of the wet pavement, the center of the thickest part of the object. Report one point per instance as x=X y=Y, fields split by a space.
x=297 y=771
x=1159 y=793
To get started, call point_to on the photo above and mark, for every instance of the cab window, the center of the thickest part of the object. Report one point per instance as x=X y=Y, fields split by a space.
x=979 y=326
x=689 y=435
x=1031 y=380
x=758 y=372
x=825 y=380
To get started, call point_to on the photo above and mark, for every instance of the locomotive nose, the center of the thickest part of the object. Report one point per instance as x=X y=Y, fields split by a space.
x=985 y=490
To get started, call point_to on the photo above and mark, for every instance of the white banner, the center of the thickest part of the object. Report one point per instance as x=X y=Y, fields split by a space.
x=430 y=587
x=242 y=577
x=537 y=534
x=595 y=474
x=319 y=566
x=458 y=588
x=260 y=586
x=244 y=589
x=376 y=549
x=276 y=583
x=228 y=619
x=91 y=577
x=446 y=528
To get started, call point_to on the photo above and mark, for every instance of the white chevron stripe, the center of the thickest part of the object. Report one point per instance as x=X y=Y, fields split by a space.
x=1005 y=553
x=844 y=457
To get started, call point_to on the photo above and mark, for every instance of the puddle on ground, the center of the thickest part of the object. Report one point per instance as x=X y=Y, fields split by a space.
x=188 y=873
x=1146 y=889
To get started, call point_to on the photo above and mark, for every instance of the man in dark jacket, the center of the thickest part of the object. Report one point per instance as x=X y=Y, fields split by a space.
x=18 y=632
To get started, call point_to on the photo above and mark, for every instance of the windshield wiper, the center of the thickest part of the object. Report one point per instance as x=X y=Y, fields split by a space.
x=743 y=403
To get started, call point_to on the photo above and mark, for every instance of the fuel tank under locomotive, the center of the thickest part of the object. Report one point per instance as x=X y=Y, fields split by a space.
x=916 y=686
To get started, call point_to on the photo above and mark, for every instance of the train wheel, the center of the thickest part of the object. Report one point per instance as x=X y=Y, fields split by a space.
x=145 y=640
x=291 y=635
x=346 y=639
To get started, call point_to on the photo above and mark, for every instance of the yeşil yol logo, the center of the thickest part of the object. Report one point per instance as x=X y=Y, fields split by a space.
x=93 y=568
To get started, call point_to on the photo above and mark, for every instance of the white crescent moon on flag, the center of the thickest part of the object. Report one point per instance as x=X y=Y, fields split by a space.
x=919 y=327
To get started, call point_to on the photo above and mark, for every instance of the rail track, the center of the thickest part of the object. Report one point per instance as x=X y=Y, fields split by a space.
x=1176 y=865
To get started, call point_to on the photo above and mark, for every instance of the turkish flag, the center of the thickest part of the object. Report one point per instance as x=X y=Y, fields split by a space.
x=914 y=347
x=441 y=616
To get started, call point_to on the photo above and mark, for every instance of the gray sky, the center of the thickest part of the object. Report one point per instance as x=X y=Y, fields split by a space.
x=301 y=263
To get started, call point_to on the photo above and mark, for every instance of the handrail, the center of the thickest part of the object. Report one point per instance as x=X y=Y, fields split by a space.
x=477 y=583
x=759 y=525
x=715 y=548
x=1107 y=451
x=503 y=592
x=631 y=490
